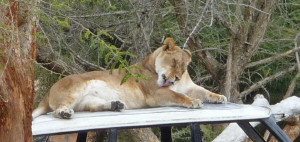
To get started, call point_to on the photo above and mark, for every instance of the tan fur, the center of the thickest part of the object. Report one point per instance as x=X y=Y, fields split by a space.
x=169 y=85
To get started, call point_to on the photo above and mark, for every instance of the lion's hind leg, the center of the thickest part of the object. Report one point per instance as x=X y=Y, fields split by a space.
x=63 y=106
x=63 y=112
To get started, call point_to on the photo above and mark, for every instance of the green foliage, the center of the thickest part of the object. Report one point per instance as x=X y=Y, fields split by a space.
x=93 y=42
x=1 y=53
x=59 y=5
x=279 y=38
x=1 y=67
x=114 y=56
x=210 y=133
x=6 y=33
x=131 y=74
x=63 y=23
x=183 y=134
x=41 y=39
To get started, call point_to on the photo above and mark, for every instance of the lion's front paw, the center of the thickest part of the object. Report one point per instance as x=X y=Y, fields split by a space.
x=217 y=98
x=221 y=99
x=195 y=103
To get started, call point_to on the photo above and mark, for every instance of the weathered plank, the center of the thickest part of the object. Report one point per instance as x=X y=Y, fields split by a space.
x=47 y=124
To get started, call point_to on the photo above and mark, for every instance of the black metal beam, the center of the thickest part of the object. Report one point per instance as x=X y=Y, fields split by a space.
x=196 y=133
x=113 y=135
x=166 y=134
x=250 y=131
x=81 y=137
x=275 y=130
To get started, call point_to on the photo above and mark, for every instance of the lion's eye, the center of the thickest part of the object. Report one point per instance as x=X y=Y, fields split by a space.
x=174 y=63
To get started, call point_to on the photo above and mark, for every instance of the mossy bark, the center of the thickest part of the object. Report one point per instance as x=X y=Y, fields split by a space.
x=18 y=51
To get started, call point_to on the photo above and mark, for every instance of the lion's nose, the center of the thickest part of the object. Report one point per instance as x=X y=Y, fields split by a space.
x=164 y=77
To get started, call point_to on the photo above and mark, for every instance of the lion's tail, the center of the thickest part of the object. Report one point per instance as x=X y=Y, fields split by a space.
x=43 y=107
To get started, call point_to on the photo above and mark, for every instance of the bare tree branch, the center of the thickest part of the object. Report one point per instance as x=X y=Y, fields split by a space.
x=245 y=5
x=296 y=54
x=88 y=66
x=101 y=14
x=229 y=28
x=197 y=25
x=52 y=62
x=207 y=60
x=267 y=80
x=272 y=59
x=291 y=88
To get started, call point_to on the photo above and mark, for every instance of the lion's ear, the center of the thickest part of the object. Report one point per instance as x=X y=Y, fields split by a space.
x=169 y=44
x=188 y=52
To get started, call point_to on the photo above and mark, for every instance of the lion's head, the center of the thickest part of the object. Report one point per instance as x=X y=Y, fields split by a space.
x=171 y=63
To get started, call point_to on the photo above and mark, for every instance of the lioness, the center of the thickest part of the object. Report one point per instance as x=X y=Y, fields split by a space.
x=169 y=85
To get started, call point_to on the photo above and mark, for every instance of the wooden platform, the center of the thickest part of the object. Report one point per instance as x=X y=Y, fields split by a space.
x=85 y=121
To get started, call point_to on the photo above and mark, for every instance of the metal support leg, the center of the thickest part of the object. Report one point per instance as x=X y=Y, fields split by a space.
x=250 y=131
x=196 y=133
x=113 y=135
x=81 y=137
x=166 y=134
x=275 y=130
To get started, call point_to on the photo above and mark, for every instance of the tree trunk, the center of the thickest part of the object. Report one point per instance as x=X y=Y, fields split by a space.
x=245 y=40
x=17 y=53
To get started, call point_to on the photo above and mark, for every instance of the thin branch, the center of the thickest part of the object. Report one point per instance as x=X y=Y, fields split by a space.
x=245 y=5
x=212 y=13
x=197 y=25
x=267 y=80
x=291 y=87
x=228 y=77
x=52 y=72
x=208 y=49
x=292 y=4
x=213 y=66
x=203 y=78
x=87 y=65
x=272 y=59
x=48 y=40
x=228 y=26
x=142 y=26
x=101 y=14
x=296 y=54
